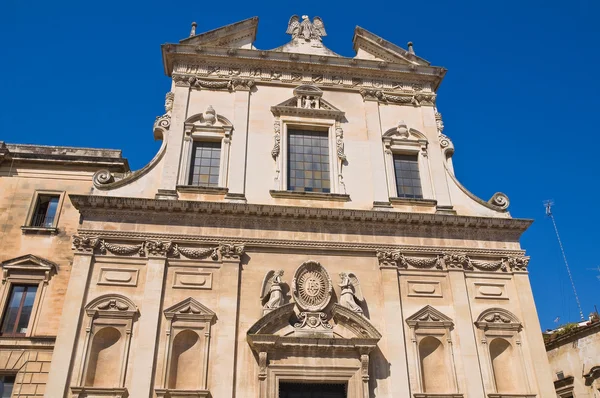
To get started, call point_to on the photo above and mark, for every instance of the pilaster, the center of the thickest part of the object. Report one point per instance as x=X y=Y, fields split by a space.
x=62 y=356
x=174 y=137
x=540 y=366
x=146 y=340
x=393 y=336
x=239 y=143
x=223 y=364
x=466 y=334
x=378 y=174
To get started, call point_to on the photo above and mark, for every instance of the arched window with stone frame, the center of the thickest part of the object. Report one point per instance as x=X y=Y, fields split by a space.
x=499 y=331
x=186 y=350
x=205 y=153
x=407 y=164
x=431 y=337
x=104 y=357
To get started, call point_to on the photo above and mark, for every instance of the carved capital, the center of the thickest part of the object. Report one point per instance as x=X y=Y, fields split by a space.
x=158 y=248
x=230 y=251
x=85 y=244
x=454 y=261
x=518 y=263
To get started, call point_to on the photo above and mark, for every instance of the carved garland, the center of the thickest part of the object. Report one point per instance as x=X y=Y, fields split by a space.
x=407 y=99
x=198 y=83
x=161 y=248
x=395 y=258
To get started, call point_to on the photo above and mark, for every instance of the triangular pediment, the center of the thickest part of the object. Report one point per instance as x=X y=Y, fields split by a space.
x=29 y=261
x=191 y=309
x=429 y=317
x=308 y=102
x=370 y=46
x=237 y=35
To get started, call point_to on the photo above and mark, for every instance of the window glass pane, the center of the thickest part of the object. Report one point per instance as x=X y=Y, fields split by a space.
x=308 y=157
x=408 y=182
x=45 y=211
x=26 y=309
x=6 y=386
x=18 y=311
x=206 y=158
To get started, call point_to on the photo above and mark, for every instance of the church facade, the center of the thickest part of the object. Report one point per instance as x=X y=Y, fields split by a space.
x=300 y=233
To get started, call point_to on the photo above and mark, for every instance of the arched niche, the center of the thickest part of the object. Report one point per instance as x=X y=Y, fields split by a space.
x=105 y=352
x=430 y=333
x=501 y=349
x=186 y=352
x=103 y=360
x=434 y=371
x=275 y=339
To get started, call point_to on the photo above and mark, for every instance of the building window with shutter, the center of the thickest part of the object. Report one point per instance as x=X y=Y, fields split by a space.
x=308 y=161
x=408 y=180
x=44 y=212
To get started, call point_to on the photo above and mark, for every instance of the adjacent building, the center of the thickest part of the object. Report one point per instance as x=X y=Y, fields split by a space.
x=300 y=233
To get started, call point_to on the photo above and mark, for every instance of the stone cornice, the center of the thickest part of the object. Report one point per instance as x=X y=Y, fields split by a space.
x=88 y=204
x=181 y=54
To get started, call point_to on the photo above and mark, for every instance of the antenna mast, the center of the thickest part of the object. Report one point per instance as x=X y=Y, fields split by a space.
x=548 y=204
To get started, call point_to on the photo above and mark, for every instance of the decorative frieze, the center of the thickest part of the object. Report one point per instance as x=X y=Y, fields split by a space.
x=396 y=258
x=198 y=83
x=155 y=247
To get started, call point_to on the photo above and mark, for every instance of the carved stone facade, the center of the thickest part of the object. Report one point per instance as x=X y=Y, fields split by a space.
x=211 y=273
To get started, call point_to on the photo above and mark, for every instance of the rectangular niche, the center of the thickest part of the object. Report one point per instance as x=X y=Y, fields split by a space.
x=490 y=291
x=192 y=280
x=118 y=276
x=424 y=288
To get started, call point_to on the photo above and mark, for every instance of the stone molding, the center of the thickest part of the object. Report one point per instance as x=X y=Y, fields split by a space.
x=276 y=66
x=103 y=205
x=286 y=244
x=155 y=248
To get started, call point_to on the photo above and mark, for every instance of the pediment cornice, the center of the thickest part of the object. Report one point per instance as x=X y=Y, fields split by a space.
x=184 y=58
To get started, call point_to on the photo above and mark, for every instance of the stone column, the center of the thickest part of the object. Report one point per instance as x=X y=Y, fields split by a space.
x=381 y=197
x=223 y=364
x=465 y=330
x=74 y=301
x=145 y=343
x=394 y=337
x=532 y=334
x=239 y=145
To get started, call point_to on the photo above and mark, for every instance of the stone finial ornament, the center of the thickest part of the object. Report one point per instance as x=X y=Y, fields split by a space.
x=210 y=116
x=411 y=50
x=305 y=29
x=351 y=295
x=271 y=293
x=193 y=31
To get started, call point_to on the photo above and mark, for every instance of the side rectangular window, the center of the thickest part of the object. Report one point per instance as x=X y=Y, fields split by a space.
x=45 y=211
x=308 y=161
x=408 y=181
x=7 y=383
x=18 y=310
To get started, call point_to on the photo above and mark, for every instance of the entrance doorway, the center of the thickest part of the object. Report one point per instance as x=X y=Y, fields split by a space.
x=312 y=390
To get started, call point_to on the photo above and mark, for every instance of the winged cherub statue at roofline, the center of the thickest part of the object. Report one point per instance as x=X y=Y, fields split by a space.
x=305 y=29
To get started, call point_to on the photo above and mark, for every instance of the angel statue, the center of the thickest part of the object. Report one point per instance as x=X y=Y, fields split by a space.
x=351 y=296
x=271 y=294
x=305 y=29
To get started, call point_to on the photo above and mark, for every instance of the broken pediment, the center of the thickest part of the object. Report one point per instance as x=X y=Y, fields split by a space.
x=370 y=46
x=237 y=35
x=189 y=309
x=308 y=102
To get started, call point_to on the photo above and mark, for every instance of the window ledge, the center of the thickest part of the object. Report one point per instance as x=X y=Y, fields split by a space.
x=172 y=393
x=310 y=195
x=414 y=202
x=436 y=395
x=39 y=230
x=201 y=189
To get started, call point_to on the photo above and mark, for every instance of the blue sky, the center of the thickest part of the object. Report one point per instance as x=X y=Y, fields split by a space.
x=518 y=100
